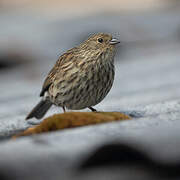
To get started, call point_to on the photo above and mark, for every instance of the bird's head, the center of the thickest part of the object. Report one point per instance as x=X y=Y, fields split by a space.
x=100 y=41
x=97 y=48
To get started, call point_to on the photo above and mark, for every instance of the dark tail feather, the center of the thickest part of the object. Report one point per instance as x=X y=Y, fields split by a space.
x=40 y=109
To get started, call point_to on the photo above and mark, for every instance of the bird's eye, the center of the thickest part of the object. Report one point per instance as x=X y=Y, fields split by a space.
x=100 y=40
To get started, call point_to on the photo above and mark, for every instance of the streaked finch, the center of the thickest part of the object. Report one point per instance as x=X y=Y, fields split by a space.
x=81 y=77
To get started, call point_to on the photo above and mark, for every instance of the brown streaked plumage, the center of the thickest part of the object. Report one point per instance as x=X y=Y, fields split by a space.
x=81 y=77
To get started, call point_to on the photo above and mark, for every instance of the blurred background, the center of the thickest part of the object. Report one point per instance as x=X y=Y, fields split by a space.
x=34 y=33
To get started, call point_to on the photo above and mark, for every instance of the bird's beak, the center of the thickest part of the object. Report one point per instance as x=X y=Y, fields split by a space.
x=114 y=41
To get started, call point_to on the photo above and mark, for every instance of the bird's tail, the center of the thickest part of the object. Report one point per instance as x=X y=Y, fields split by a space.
x=40 y=109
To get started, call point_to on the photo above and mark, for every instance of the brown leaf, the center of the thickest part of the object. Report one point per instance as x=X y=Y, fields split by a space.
x=73 y=119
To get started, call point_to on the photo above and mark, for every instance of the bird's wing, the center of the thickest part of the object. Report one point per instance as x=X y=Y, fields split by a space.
x=66 y=57
x=47 y=82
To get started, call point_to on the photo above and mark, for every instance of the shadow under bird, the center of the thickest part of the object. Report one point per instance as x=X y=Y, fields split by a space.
x=81 y=77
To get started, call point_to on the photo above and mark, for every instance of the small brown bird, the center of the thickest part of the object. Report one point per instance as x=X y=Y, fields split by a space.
x=81 y=77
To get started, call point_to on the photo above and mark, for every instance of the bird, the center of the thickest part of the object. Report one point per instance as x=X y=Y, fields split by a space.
x=80 y=78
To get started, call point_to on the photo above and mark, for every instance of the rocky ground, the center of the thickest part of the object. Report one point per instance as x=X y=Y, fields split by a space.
x=147 y=86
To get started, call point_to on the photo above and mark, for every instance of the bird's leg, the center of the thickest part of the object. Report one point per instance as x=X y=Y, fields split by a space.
x=64 y=109
x=92 y=109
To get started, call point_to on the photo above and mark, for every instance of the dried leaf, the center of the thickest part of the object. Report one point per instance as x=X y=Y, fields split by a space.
x=73 y=119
